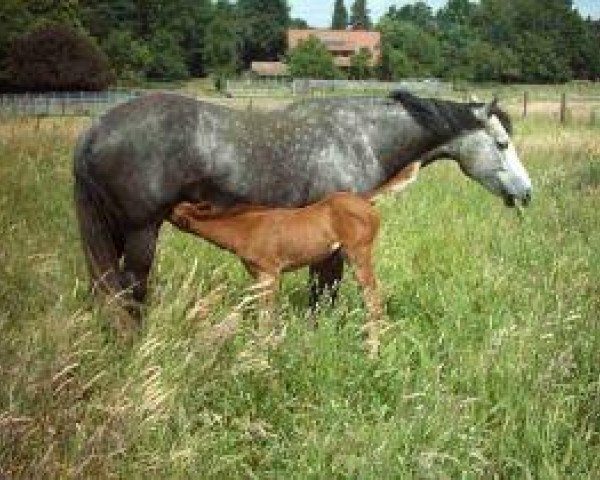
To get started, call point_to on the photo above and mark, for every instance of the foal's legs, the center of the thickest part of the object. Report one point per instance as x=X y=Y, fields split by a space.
x=267 y=284
x=325 y=275
x=140 y=246
x=362 y=261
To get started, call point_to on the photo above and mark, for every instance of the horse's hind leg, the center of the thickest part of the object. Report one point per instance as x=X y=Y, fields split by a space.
x=140 y=246
x=325 y=275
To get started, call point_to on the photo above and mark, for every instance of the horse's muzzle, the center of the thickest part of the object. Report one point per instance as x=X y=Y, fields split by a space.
x=513 y=200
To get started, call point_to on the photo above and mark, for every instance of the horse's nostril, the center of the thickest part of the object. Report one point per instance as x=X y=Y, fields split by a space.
x=527 y=197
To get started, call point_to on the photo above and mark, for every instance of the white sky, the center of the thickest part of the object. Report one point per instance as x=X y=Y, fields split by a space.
x=318 y=12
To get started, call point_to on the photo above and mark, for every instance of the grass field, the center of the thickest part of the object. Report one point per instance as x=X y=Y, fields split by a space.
x=491 y=368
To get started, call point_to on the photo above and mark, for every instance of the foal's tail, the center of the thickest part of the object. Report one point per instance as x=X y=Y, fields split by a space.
x=100 y=232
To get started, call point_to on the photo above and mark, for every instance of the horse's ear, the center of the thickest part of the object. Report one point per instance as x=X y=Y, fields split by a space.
x=494 y=104
x=484 y=112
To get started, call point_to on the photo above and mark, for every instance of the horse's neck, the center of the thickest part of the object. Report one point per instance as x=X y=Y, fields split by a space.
x=398 y=182
x=414 y=148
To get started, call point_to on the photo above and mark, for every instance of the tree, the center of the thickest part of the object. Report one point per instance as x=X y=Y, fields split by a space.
x=262 y=26
x=544 y=34
x=359 y=14
x=311 y=59
x=539 y=60
x=129 y=57
x=57 y=58
x=408 y=51
x=298 y=23
x=184 y=20
x=103 y=17
x=340 y=16
x=360 y=64
x=166 y=58
x=457 y=12
x=18 y=17
x=222 y=43
x=395 y=65
x=190 y=19
x=418 y=13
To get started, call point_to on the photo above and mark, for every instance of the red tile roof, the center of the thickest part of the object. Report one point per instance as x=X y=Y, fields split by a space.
x=341 y=43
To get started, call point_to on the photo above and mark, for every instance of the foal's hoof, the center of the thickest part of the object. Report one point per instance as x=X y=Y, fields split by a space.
x=372 y=348
x=373 y=331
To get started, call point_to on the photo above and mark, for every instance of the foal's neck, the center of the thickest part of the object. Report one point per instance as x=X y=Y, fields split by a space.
x=225 y=230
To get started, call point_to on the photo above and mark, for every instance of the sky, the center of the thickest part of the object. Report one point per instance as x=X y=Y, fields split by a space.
x=318 y=12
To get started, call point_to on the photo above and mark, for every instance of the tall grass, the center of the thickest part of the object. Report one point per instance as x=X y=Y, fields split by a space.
x=491 y=368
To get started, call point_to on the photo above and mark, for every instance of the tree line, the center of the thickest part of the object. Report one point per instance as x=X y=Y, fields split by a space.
x=138 y=40
x=88 y=44
x=542 y=41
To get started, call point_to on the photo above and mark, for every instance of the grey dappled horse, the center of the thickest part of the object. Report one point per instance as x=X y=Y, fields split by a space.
x=143 y=157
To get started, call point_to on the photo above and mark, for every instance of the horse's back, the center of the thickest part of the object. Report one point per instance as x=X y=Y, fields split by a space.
x=144 y=152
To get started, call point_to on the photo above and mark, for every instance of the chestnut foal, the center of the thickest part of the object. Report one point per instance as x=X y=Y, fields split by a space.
x=270 y=241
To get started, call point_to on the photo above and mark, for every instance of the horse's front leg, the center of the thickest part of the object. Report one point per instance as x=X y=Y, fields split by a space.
x=325 y=276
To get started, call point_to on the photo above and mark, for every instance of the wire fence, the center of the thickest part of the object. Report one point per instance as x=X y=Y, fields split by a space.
x=276 y=87
x=62 y=103
x=560 y=107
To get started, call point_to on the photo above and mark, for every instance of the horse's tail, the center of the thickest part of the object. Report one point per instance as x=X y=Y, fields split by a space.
x=99 y=227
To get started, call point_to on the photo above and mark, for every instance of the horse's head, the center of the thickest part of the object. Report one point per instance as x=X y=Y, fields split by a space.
x=488 y=155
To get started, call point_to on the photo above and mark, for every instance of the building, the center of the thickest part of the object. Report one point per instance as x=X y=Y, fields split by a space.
x=341 y=43
x=269 y=69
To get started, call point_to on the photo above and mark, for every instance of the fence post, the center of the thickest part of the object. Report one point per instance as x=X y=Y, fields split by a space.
x=563 y=108
x=525 y=103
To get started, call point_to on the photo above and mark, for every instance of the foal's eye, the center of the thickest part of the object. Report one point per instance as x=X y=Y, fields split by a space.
x=502 y=144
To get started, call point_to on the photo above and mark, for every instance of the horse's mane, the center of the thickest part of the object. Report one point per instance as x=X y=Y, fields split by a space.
x=446 y=118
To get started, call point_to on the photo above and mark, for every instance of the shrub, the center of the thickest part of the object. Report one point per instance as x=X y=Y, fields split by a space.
x=56 y=57
x=311 y=59
x=360 y=64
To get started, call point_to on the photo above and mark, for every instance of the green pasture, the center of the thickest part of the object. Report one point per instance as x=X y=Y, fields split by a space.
x=490 y=370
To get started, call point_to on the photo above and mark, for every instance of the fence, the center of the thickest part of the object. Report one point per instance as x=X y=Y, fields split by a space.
x=62 y=103
x=260 y=87
x=299 y=87
x=562 y=107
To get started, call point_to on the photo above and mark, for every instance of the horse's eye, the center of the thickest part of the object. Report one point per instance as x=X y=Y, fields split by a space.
x=502 y=144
